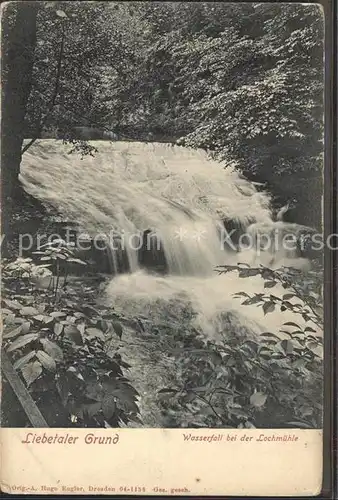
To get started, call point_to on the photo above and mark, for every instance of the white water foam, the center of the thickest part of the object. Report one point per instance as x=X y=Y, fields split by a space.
x=181 y=195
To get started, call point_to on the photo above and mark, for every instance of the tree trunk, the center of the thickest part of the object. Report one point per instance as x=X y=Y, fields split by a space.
x=18 y=45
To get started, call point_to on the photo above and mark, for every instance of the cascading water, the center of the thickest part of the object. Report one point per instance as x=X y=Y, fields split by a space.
x=178 y=196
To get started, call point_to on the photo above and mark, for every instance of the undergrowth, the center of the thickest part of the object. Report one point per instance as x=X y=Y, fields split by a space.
x=272 y=381
x=61 y=342
x=64 y=345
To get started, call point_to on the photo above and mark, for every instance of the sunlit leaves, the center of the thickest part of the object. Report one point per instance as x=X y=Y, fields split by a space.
x=31 y=372
x=19 y=363
x=29 y=311
x=46 y=361
x=94 y=332
x=52 y=349
x=14 y=332
x=61 y=13
x=63 y=351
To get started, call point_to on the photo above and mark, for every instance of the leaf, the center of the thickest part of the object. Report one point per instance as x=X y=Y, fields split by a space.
x=29 y=311
x=290 y=323
x=167 y=391
x=60 y=13
x=117 y=328
x=87 y=309
x=230 y=361
x=58 y=328
x=268 y=307
x=25 y=327
x=252 y=300
x=19 y=363
x=201 y=388
x=287 y=346
x=108 y=406
x=46 y=361
x=239 y=412
x=140 y=325
x=73 y=333
x=79 y=315
x=57 y=314
x=318 y=351
x=95 y=332
x=94 y=390
x=137 y=419
x=104 y=325
x=31 y=372
x=258 y=399
x=300 y=424
x=18 y=320
x=309 y=329
x=299 y=363
x=278 y=355
x=269 y=335
x=81 y=327
x=122 y=389
x=74 y=371
x=245 y=273
x=60 y=256
x=77 y=261
x=39 y=317
x=288 y=296
x=22 y=341
x=127 y=404
x=215 y=358
x=12 y=304
x=47 y=319
x=13 y=333
x=270 y=284
x=52 y=349
x=10 y=319
x=298 y=343
x=189 y=396
x=249 y=425
x=6 y=311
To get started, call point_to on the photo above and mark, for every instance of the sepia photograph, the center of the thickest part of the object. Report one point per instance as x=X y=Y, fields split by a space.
x=162 y=225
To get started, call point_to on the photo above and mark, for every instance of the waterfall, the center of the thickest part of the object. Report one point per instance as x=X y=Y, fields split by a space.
x=169 y=202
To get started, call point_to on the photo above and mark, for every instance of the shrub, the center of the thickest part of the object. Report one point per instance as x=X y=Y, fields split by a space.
x=272 y=381
x=63 y=348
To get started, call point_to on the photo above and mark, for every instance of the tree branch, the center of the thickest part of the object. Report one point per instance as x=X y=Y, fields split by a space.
x=210 y=406
x=55 y=94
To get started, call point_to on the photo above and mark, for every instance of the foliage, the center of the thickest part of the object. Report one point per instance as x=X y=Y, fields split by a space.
x=23 y=267
x=245 y=98
x=304 y=287
x=225 y=77
x=60 y=253
x=272 y=380
x=65 y=352
x=62 y=75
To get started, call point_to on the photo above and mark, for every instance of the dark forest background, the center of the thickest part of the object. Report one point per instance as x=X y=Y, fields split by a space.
x=244 y=81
